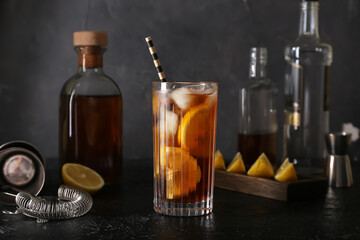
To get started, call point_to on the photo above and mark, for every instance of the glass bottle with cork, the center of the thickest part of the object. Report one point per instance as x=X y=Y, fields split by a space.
x=90 y=111
x=258 y=126
x=307 y=94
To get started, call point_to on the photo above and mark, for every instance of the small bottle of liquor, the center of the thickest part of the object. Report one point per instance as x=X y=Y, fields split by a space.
x=258 y=125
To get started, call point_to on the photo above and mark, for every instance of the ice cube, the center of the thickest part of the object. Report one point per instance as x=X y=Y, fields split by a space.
x=200 y=88
x=185 y=97
x=181 y=97
x=211 y=96
x=169 y=122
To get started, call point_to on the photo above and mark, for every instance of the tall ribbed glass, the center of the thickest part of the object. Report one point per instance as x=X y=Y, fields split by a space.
x=184 y=130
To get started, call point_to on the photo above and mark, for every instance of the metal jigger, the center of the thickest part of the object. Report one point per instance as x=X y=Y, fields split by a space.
x=338 y=162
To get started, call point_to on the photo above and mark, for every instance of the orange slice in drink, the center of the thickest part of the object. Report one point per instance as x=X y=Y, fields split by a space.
x=195 y=131
x=182 y=172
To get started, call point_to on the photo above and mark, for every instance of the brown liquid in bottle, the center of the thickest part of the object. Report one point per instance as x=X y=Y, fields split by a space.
x=252 y=145
x=91 y=133
x=90 y=119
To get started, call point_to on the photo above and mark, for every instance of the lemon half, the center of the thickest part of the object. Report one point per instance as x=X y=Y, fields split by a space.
x=80 y=176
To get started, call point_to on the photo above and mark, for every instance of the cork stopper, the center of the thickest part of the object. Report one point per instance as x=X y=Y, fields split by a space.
x=90 y=38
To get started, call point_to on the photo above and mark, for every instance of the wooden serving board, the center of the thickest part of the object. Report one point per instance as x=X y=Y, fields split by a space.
x=306 y=187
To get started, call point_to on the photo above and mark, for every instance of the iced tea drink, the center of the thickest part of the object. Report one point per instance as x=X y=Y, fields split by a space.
x=184 y=129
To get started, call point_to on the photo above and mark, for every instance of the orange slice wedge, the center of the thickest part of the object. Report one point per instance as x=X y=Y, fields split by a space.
x=195 y=131
x=182 y=172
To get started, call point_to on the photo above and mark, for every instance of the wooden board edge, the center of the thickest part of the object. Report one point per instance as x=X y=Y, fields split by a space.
x=251 y=185
x=305 y=188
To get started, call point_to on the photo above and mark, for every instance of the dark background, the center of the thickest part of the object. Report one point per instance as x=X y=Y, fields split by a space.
x=204 y=40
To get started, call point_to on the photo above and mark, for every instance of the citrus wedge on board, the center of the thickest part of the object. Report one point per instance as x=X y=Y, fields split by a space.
x=261 y=168
x=286 y=172
x=219 y=161
x=237 y=164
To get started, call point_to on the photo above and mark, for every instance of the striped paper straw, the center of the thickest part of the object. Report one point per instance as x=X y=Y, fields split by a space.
x=155 y=59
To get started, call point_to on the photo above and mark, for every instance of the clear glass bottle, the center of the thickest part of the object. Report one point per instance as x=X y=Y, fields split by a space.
x=307 y=94
x=258 y=126
x=90 y=116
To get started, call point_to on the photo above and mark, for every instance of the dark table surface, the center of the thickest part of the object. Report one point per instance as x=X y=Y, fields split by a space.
x=124 y=211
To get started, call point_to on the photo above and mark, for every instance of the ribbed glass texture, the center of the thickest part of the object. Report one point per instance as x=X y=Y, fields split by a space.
x=184 y=129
